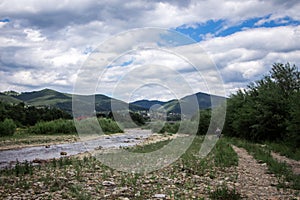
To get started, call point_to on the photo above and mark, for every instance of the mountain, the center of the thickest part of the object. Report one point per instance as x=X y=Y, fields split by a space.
x=187 y=103
x=147 y=104
x=48 y=97
x=43 y=97
x=203 y=100
x=9 y=99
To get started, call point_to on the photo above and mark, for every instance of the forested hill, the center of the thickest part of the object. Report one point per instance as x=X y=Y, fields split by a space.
x=63 y=101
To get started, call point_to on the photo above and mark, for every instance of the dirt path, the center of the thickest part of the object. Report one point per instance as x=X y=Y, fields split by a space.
x=253 y=180
x=295 y=165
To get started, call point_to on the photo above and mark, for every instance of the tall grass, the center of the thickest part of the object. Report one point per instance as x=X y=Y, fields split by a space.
x=284 y=150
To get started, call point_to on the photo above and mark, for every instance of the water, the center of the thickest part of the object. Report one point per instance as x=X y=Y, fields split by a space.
x=131 y=137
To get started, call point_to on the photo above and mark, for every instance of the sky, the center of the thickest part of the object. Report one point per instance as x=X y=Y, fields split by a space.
x=216 y=46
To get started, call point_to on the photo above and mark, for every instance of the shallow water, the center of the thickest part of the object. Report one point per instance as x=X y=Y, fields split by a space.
x=131 y=137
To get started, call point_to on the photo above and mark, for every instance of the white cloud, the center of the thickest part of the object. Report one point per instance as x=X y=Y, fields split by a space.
x=46 y=43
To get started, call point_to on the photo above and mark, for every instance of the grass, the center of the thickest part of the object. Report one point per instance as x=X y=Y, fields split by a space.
x=56 y=131
x=223 y=193
x=224 y=155
x=284 y=150
x=190 y=177
x=82 y=178
x=283 y=172
x=149 y=147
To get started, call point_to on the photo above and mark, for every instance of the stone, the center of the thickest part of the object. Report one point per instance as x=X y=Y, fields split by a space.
x=159 y=196
x=108 y=183
x=63 y=153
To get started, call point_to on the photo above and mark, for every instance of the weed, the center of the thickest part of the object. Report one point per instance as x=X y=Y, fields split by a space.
x=224 y=155
x=78 y=192
x=223 y=193
x=278 y=168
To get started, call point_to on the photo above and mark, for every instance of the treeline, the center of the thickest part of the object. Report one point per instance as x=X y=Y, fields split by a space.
x=268 y=109
x=29 y=115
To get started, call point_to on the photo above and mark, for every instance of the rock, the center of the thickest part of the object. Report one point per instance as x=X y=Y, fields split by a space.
x=47 y=146
x=99 y=148
x=138 y=194
x=108 y=183
x=159 y=196
x=123 y=198
x=63 y=153
x=120 y=190
x=37 y=160
x=97 y=167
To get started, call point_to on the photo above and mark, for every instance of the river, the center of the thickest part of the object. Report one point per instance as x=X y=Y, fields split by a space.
x=131 y=137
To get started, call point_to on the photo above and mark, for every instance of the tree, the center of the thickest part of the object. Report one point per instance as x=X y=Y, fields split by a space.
x=263 y=110
x=7 y=127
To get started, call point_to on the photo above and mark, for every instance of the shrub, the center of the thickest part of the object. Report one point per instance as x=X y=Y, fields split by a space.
x=54 y=127
x=68 y=126
x=7 y=127
x=109 y=126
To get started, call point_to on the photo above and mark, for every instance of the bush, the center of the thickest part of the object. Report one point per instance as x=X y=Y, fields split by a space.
x=109 y=126
x=164 y=127
x=62 y=126
x=54 y=127
x=7 y=127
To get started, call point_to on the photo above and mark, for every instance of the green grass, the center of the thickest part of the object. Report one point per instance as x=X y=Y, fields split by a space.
x=283 y=172
x=223 y=193
x=284 y=150
x=224 y=155
x=149 y=147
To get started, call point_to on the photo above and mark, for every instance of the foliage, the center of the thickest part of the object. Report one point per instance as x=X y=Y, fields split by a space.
x=127 y=119
x=109 y=126
x=29 y=115
x=164 y=127
x=54 y=127
x=268 y=109
x=7 y=127
x=63 y=126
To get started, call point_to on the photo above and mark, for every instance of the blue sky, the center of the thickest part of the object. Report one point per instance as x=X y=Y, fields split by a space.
x=220 y=28
x=45 y=44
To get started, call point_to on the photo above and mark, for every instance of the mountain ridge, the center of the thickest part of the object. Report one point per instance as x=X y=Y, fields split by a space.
x=63 y=101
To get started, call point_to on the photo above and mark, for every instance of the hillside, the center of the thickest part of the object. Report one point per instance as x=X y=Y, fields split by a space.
x=48 y=97
x=147 y=104
x=8 y=99
x=204 y=101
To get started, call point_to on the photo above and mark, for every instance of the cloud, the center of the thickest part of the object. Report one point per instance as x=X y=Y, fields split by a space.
x=45 y=44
